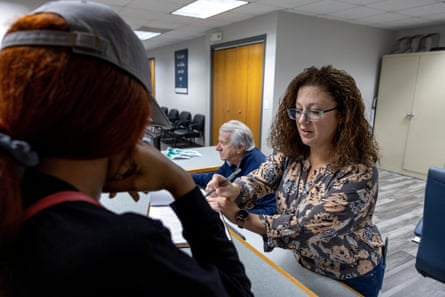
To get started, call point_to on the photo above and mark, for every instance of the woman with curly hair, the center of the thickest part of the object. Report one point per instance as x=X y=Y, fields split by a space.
x=323 y=171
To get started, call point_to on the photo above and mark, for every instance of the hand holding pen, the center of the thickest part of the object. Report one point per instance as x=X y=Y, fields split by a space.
x=229 y=179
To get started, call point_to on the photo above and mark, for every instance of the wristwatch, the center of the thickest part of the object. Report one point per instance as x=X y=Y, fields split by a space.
x=241 y=217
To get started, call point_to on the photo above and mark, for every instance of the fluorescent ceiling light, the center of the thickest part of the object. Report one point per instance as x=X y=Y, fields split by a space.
x=206 y=8
x=144 y=35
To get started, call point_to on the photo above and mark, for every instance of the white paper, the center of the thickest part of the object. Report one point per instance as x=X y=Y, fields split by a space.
x=171 y=221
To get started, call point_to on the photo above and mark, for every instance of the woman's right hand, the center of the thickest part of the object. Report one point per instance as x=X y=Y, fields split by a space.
x=152 y=171
x=223 y=187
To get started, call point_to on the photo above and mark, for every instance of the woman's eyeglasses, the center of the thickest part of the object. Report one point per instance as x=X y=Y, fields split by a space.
x=311 y=115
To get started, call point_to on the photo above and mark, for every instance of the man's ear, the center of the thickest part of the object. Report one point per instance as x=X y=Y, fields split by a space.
x=241 y=149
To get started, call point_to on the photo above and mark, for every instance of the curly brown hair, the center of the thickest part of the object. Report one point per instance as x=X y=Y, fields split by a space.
x=353 y=142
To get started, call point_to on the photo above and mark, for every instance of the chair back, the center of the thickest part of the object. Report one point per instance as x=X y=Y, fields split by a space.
x=185 y=117
x=173 y=115
x=164 y=109
x=198 y=122
x=430 y=259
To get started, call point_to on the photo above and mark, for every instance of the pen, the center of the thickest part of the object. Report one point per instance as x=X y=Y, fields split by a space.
x=230 y=178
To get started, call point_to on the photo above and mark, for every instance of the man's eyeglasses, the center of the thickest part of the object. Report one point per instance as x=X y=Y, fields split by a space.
x=311 y=115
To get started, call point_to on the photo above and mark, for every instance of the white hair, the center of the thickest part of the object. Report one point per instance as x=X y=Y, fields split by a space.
x=240 y=134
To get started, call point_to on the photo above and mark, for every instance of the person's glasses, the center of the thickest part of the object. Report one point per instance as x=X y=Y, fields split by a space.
x=311 y=115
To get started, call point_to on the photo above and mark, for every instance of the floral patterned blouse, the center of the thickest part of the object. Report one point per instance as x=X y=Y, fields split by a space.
x=326 y=220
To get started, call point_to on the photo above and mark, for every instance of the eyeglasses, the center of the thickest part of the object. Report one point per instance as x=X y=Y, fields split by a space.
x=311 y=115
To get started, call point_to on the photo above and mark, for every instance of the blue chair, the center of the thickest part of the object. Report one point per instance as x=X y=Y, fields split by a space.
x=430 y=259
x=418 y=231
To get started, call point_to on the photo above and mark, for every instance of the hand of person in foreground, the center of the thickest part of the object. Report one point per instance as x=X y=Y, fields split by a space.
x=152 y=171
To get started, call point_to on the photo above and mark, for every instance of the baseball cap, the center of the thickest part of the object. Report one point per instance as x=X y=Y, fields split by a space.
x=98 y=31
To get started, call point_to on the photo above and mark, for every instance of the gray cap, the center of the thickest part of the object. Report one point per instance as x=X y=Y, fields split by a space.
x=98 y=31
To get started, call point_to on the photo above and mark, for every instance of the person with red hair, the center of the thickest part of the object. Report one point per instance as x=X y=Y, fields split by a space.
x=74 y=103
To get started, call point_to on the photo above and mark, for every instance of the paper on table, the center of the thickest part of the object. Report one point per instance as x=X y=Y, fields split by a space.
x=165 y=213
x=174 y=153
x=171 y=221
x=161 y=198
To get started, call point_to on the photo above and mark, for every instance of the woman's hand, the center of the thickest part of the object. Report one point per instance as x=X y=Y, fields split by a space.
x=151 y=170
x=222 y=187
x=224 y=205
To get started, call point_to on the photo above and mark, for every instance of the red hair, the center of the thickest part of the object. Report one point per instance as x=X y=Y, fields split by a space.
x=64 y=105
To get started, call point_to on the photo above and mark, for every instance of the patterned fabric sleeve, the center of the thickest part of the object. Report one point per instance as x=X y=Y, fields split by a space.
x=261 y=181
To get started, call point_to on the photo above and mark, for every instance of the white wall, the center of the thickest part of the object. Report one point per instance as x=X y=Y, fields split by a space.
x=305 y=41
x=196 y=101
x=293 y=43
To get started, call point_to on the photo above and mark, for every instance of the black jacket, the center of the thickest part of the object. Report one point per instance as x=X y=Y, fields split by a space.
x=81 y=249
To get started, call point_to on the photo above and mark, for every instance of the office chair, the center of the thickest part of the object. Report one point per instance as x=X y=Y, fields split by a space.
x=182 y=122
x=164 y=109
x=173 y=115
x=193 y=132
x=430 y=259
x=418 y=231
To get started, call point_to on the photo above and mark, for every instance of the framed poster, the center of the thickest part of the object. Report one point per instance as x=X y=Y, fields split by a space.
x=181 y=71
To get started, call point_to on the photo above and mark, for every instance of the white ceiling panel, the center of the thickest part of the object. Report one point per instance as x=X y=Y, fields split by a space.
x=384 y=14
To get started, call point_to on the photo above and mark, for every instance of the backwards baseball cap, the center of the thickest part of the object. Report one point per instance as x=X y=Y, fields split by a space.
x=97 y=31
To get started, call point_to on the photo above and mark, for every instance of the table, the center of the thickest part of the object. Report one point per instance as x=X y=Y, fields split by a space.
x=272 y=274
x=268 y=279
x=281 y=259
x=322 y=286
x=209 y=161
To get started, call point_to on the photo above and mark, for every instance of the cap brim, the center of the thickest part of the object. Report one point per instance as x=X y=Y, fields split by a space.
x=158 y=117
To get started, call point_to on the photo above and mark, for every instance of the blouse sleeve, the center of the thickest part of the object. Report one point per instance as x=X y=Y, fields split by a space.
x=261 y=181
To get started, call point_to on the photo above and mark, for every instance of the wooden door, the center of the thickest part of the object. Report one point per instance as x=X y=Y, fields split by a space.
x=237 y=88
x=151 y=65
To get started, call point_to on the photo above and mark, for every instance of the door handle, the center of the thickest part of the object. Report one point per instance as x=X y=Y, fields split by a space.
x=410 y=115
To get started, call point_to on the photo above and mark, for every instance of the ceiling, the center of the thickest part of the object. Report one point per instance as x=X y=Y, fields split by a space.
x=384 y=14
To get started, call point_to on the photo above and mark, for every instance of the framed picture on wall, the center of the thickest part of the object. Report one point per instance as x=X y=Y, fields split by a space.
x=181 y=71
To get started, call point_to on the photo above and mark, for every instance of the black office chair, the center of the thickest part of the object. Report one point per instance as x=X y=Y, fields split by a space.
x=164 y=109
x=173 y=115
x=430 y=259
x=182 y=122
x=193 y=132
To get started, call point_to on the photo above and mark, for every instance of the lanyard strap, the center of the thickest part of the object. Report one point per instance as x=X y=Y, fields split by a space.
x=57 y=198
